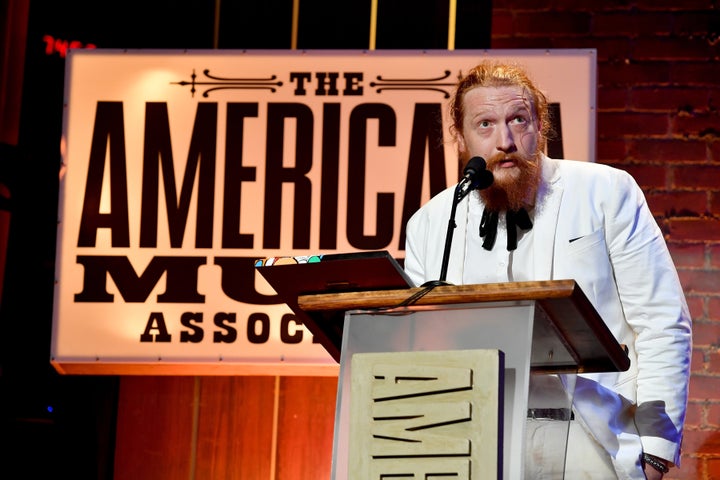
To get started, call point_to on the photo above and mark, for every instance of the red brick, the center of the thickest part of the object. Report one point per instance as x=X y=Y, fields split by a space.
x=698 y=124
x=695 y=414
x=592 y=5
x=690 y=468
x=697 y=363
x=647 y=176
x=519 y=5
x=712 y=465
x=562 y=5
x=668 y=149
x=696 y=23
x=677 y=204
x=502 y=24
x=671 y=5
x=609 y=49
x=713 y=308
x=521 y=43
x=695 y=305
x=700 y=441
x=632 y=23
x=694 y=229
x=610 y=150
x=699 y=281
x=714 y=155
x=705 y=334
x=613 y=124
x=713 y=415
x=714 y=367
x=613 y=99
x=672 y=48
x=663 y=223
x=633 y=73
x=715 y=256
x=694 y=73
x=715 y=204
x=697 y=176
x=687 y=255
x=675 y=99
x=552 y=23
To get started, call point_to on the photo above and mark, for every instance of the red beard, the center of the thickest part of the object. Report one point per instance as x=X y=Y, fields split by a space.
x=515 y=187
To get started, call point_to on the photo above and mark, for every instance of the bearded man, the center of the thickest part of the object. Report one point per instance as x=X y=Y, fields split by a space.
x=545 y=219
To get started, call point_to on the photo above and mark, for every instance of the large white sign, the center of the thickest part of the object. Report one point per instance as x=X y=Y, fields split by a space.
x=183 y=167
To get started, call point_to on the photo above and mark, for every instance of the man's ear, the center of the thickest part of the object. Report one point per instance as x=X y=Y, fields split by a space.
x=461 y=145
x=541 y=138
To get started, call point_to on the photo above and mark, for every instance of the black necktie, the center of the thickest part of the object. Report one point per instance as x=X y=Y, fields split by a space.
x=513 y=218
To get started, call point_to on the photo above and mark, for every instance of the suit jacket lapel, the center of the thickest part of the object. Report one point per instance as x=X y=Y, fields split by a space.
x=547 y=209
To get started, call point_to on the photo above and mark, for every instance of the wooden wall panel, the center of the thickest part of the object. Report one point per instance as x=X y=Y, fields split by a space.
x=305 y=428
x=154 y=428
x=235 y=428
x=225 y=428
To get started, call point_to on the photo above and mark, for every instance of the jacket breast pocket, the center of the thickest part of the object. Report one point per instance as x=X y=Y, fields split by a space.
x=587 y=261
x=593 y=241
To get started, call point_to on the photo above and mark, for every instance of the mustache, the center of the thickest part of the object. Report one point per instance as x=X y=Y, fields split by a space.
x=519 y=160
x=523 y=162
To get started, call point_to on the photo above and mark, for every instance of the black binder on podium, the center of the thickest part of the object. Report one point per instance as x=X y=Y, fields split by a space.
x=333 y=274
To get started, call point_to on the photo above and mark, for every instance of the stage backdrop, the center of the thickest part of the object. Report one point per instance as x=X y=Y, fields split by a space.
x=181 y=168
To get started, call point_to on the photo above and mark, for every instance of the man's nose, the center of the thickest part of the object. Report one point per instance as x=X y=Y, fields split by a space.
x=505 y=140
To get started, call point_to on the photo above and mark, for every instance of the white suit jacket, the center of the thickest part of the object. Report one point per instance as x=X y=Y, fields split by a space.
x=592 y=225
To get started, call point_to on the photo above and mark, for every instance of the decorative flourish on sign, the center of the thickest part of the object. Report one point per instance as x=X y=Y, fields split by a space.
x=222 y=83
x=434 y=84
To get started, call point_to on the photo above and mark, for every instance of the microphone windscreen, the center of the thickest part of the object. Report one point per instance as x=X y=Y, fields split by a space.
x=475 y=165
x=484 y=180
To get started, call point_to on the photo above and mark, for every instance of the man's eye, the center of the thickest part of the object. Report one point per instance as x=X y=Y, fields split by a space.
x=484 y=124
x=518 y=120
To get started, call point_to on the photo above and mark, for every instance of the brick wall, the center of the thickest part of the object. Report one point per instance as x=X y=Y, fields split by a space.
x=658 y=118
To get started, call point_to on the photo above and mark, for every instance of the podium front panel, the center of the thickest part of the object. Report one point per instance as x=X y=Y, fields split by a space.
x=426 y=414
x=506 y=326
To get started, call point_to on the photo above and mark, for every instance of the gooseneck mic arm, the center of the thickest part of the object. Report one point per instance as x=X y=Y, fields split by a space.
x=475 y=177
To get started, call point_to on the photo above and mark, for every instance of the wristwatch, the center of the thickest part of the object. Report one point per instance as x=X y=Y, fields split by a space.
x=654 y=462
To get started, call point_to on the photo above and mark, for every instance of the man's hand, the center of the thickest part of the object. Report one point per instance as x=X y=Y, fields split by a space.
x=652 y=473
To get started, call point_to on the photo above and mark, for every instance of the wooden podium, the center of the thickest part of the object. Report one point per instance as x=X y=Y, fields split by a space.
x=543 y=328
x=569 y=319
x=546 y=331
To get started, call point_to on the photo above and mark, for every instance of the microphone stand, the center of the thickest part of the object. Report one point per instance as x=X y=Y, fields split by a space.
x=481 y=179
x=450 y=231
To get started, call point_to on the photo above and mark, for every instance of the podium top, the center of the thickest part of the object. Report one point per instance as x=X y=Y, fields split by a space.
x=379 y=284
x=568 y=315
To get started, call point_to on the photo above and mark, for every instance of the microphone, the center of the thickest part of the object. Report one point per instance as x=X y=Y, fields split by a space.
x=475 y=176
